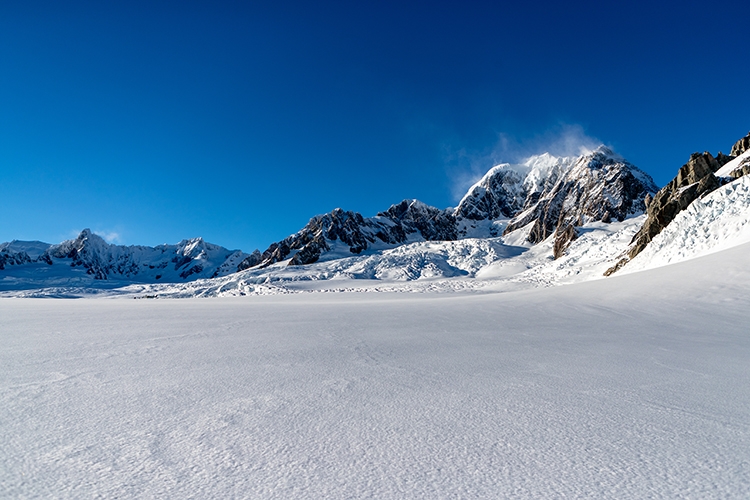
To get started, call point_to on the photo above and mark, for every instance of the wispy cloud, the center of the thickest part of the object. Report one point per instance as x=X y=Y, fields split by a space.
x=108 y=235
x=113 y=236
x=467 y=167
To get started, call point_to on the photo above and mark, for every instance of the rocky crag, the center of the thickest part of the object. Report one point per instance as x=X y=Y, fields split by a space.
x=702 y=174
x=410 y=220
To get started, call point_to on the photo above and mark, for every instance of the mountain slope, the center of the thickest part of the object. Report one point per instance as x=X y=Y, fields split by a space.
x=553 y=194
x=89 y=256
x=598 y=186
x=701 y=175
x=716 y=222
x=341 y=233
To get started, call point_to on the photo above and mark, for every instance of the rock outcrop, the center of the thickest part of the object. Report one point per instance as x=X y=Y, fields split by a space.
x=410 y=219
x=694 y=180
x=11 y=258
x=740 y=146
x=599 y=186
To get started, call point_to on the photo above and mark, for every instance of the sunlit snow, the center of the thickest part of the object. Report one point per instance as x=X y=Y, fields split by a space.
x=633 y=386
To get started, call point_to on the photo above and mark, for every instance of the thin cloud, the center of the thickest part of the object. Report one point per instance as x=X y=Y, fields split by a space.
x=113 y=237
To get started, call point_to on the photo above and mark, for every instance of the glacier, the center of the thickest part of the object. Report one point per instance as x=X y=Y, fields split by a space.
x=634 y=386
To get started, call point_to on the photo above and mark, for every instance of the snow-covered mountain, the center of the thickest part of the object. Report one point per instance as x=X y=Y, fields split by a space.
x=89 y=257
x=547 y=221
x=341 y=233
x=552 y=194
x=598 y=186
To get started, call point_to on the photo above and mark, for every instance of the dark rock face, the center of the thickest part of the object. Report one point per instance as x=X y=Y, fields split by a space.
x=392 y=227
x=312 y=240
x=498 y=194
x=563 y=239
x=10 y=258
x=251 y=260
x=695 y=179
x=741 y=171
x=431 y=223
x=598 y=187
x=740 y=146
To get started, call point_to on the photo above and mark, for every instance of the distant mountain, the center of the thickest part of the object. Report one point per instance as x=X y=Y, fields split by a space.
x=341 y=233
x=551 y=195
x=90 y=254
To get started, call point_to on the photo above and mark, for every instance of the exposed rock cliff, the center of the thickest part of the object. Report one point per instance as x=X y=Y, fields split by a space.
x=408 y=220
x=740 y=146
x=694 y=180
x=599 y=186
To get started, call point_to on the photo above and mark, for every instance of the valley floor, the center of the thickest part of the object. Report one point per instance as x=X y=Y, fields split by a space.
x=636 y=386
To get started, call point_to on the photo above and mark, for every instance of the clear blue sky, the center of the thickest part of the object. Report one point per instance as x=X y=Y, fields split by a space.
x=151 y=122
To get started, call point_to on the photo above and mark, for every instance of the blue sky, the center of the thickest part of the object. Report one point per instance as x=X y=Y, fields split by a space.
x=151 y=122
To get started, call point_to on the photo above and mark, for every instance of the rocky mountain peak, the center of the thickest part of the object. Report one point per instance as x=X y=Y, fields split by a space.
x=741 y=146
x=597 y=186
x=499 y=193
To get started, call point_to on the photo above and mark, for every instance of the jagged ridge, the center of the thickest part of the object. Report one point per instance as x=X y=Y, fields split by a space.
x=187 y=260
x=555 y=194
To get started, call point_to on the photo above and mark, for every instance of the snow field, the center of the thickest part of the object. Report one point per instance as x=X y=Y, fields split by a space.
x=635 y=386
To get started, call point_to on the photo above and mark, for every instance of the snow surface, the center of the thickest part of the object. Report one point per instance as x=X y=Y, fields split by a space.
x=716 y=222
x=634 y=386
x=733 y=165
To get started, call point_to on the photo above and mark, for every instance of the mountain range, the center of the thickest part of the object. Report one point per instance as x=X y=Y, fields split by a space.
x=526 y=216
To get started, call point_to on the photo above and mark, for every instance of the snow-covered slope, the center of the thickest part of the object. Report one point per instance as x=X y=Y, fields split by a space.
x=736 y=165
x=629 y=387
x=717 y=222
x=470 y=264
